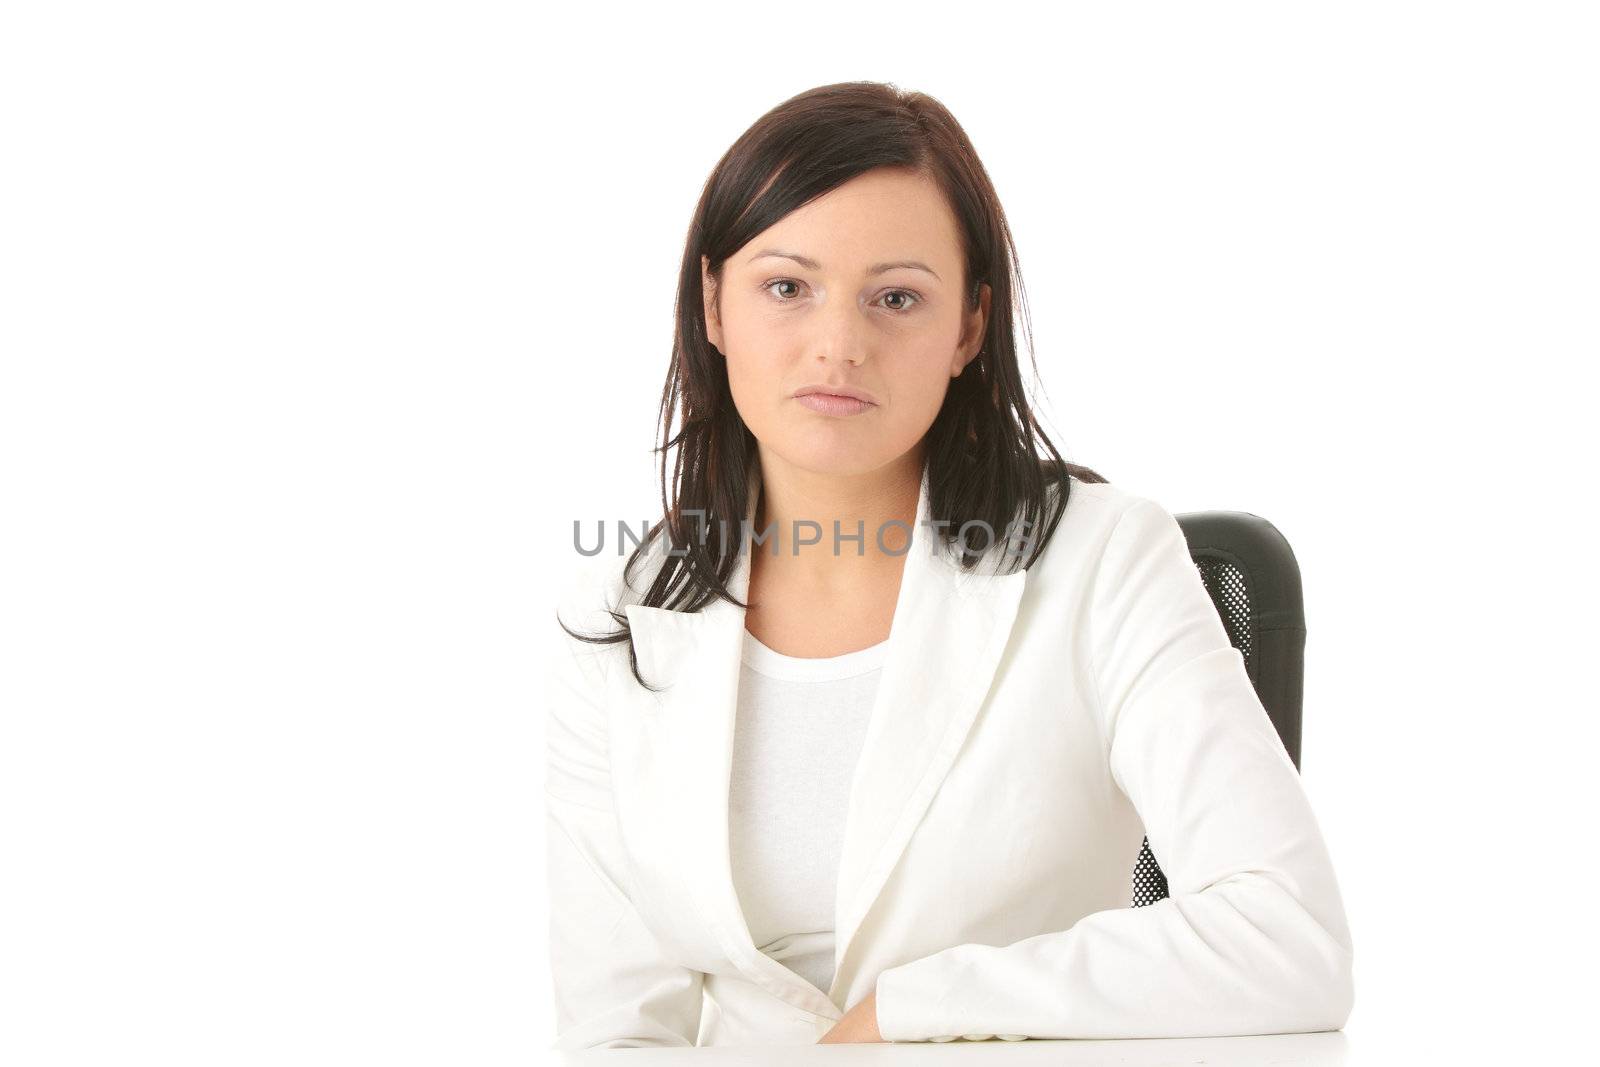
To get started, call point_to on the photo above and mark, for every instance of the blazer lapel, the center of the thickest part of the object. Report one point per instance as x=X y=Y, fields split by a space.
x=672 y=751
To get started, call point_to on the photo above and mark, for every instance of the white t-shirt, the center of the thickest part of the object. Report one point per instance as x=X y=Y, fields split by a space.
x=800 y=728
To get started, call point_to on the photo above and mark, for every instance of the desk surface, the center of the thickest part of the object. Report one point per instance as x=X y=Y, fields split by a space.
x=1286 y=1050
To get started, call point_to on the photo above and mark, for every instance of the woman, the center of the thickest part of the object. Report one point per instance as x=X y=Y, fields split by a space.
x=832 y=782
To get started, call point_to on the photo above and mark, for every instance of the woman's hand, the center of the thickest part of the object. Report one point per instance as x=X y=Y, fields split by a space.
x=859 y=1024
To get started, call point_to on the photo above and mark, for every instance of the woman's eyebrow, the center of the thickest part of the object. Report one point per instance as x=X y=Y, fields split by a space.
x=811 y=264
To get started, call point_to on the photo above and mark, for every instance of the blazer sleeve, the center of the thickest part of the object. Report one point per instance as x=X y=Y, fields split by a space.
x=613 y=987
x=1252 y=938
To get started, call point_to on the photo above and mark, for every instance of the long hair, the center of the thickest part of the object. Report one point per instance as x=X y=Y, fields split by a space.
x=989 y=462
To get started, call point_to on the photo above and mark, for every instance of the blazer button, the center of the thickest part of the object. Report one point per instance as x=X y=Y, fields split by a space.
x=1012 y=1037
x=976 y=1037
x=943 y=1037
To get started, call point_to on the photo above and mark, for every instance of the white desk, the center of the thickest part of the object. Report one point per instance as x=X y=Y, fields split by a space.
x=1281 y=1050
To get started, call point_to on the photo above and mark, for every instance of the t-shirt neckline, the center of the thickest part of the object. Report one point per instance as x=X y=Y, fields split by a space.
x=763 y=660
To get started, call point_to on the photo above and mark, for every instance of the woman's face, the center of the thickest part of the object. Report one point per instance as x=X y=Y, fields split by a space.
x=859 y=289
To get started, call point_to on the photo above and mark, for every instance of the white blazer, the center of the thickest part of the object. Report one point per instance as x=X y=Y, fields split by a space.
x=1029 y=731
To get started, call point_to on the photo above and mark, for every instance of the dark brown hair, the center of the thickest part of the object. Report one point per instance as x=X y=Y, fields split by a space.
x=989 y=461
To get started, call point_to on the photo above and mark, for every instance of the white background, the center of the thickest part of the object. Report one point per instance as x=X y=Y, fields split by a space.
x=323 y=321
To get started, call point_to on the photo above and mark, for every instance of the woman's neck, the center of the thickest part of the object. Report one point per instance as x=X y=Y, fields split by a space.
x=797 y=512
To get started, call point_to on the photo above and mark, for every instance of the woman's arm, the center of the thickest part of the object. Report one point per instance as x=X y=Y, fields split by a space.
x=1252 y=938
x=613 y=987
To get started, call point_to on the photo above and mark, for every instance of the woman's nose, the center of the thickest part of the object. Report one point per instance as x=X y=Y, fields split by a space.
x=842 y=332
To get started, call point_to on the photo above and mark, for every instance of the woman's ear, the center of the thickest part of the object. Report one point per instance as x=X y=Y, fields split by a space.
x=708 y=291
x=974 y=330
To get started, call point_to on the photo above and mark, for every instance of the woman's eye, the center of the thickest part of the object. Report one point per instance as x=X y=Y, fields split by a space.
x=791 y=289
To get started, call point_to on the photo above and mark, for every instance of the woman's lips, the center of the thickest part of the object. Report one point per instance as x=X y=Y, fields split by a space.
x=833 y=404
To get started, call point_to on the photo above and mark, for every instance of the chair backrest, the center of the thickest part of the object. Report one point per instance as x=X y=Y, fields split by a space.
x=1254 y=581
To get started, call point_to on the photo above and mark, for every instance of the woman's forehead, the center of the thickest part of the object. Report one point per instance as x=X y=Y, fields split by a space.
x=865 y=226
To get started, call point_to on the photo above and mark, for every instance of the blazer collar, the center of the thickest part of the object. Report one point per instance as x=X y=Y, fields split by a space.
x=949 y=629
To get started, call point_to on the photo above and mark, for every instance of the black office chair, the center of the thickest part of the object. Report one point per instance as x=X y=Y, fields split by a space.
x=1253 y=579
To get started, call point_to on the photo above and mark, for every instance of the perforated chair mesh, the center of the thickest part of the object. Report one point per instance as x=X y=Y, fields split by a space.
x=1229 y=590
